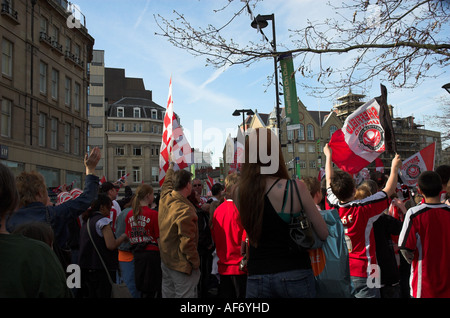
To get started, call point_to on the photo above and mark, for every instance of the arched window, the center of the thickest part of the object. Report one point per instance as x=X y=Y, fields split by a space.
x=301 y=132
x=333 y=128
x=310 y=132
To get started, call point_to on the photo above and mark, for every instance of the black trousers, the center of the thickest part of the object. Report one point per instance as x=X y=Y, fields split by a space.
x=232 y=286
x=147 y=273
x=95 y=283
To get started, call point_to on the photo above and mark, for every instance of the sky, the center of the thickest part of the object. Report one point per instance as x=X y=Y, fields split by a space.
x=205 y=97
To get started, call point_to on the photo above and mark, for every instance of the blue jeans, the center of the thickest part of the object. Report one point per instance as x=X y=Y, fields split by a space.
x=291 y=284
x=127 y=276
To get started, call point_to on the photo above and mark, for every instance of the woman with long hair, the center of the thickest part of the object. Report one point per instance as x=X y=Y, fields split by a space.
x=143 y=231
x=274 y=268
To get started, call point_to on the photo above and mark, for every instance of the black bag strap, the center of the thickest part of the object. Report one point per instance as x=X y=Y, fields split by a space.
x=299 y=198
x=285 y=195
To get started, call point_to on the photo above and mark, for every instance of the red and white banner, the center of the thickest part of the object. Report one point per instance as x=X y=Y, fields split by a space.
x=363 y=137
x=209 y=182
x=173 y=141
x=413 y=166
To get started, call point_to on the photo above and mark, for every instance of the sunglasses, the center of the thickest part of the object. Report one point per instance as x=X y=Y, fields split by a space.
x=197 y=185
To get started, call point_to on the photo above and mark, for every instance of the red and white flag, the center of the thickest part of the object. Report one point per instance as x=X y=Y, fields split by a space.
x=122 y=179
x=173 y=141
x=379 y=166
x=102 y=180
x=413 y=166
x=366 y=134
x=209 y=182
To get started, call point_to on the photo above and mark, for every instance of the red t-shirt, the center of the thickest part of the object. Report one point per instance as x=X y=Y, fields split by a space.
x=358 y=217
x=145 y=231
x=227 y=232
x=426 y=233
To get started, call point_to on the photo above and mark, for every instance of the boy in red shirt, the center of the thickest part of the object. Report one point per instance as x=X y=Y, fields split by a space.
x=358 y=217
x=228 y=232
x=425 y=241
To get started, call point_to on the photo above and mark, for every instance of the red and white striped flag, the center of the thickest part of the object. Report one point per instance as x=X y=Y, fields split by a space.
x=173 y=141
x=209 y=182
x=366 y=134
x=413 y=166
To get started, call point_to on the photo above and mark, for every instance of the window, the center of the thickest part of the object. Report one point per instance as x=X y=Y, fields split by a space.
x=290 y=147
x=290 y=134
x=77 y=95
x=7 y=57
x=155 y=174
x=310 y=132
x=43 y=78
x=55 y=80
x=137 y=127
x=42 y=129
x=120 y=112
x=55 y=35
x=120 y=151
x=54 y=134
x=312 y=164
x=137 y=151
x=121 y=172
x=136 y=112
x=6 y=118
x=301 y=132
x=311 y=148
x=301 y=148
x=68 y=91
x=44 y=25
x=67 y=129
x=76 y=141
x=137 y=174
x=68 y=44
x=154 y=114
x=77 y=51
x=333 y=128
x=302 y=164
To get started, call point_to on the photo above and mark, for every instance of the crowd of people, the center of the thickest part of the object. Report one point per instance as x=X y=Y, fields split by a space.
x=234 y=243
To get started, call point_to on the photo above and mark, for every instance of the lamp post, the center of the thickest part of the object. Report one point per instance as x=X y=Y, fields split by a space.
x=260 y=22
x=447 y=87
x=237 y=112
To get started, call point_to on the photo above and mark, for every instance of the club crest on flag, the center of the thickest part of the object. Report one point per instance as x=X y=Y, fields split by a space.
x=366 y=134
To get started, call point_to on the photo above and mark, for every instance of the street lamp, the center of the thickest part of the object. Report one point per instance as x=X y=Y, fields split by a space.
x=260 y=22
x=249 y=112
x=447 y=87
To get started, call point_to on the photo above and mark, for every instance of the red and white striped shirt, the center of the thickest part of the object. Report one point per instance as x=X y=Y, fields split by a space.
x=358 y=217
x=426 y=236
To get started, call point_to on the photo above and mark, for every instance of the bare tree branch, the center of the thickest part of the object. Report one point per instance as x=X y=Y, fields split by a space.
x=400 y=41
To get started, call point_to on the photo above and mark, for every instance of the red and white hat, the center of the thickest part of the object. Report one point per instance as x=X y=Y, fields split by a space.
x=75 y=193
x=63 y=197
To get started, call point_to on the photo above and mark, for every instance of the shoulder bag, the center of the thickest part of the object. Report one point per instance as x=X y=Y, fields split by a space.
x=300 y=228
x=117 y=290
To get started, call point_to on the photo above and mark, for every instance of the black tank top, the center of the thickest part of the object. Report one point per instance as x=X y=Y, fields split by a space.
x=274 y=253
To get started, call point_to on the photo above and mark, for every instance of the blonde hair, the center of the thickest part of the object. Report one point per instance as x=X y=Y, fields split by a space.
x=141 y=192
x=30 y=185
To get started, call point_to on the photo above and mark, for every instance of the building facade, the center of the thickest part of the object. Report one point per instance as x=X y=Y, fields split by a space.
x=302 y=144
x=44 y=82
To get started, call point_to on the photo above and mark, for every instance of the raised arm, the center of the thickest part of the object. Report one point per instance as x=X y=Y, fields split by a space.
x=328 y=165
x=391 y=183
x=91 y=160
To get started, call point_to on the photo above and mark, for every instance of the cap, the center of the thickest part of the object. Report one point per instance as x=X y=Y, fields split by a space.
x=63 y=197
x=106 y=186
x=75 y=193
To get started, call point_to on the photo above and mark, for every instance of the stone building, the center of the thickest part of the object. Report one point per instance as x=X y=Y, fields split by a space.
x=43 y=89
